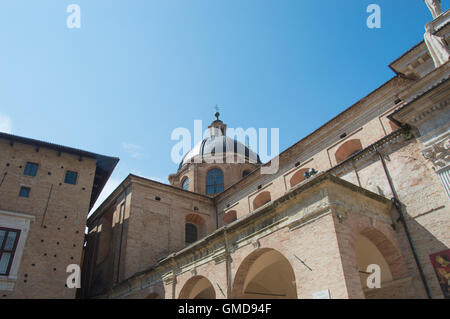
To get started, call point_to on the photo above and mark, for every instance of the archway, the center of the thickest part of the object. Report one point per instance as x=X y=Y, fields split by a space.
x=265 y=274
x=373 y=247
x=198 y=287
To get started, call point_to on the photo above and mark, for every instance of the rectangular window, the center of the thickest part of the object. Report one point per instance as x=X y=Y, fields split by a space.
x=31 y=169
x=8 y=243
x=71 y=177
x=24 y=191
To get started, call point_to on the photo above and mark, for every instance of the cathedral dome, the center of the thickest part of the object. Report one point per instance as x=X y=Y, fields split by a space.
x=216 y=145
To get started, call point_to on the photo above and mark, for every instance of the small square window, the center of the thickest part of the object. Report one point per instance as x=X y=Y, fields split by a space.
x=31 y=169
x=71 y=177
x=24 y=191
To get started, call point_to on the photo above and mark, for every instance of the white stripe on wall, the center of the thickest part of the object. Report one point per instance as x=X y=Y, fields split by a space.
x=445 y=178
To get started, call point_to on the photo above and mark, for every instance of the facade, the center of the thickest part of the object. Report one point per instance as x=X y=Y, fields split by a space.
x=376 y=191
x=46 y=192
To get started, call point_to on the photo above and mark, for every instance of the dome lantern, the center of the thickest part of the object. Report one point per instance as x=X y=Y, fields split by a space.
x=217 y=127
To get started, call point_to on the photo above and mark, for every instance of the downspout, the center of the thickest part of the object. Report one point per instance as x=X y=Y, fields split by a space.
x=217 y=216
x=228 y=263
x=398 y=207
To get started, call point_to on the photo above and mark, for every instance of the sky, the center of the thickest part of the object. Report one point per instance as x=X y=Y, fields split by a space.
x=136 y=70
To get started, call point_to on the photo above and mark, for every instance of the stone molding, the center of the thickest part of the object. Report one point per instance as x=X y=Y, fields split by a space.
x=438 y=153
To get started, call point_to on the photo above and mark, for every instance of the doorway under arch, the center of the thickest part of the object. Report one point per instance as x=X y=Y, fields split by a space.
x=198 y=287
x=373 y=247
x=265 y=274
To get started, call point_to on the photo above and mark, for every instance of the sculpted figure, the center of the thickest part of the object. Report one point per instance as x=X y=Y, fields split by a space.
x=436 y=46
x=435 y=7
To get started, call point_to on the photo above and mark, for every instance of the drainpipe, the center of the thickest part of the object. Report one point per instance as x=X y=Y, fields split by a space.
x=398 y=207
x=217 y=216
x=228 y=263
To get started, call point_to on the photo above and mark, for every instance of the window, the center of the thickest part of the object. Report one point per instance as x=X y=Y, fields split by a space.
x=245 y=173
x=348 y=149
x=8 y=244
x=186 y=184
x=298 y=177
x=214 y=181
x=191 y=233
x=71 y=177
x=229 y=217
x=24 y=191
x=261 y=200
x=31 y=169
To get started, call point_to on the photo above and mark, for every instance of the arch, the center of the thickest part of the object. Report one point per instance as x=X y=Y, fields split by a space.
x=262 y=199
x=214 y=181
x=197 y=287
x=194 y=228
x=153 y=296
x=373 y=247
x=185 y=184
x=387 y=249
x=229 y=217
x=347 y=149
x=298 y=177
x=265 y=274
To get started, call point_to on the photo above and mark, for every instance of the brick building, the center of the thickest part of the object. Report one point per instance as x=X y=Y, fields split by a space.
x=371 y=186
x=46 y=192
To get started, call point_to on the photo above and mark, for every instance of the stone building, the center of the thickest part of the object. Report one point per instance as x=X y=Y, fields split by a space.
x=46 y=192
x=369 y=187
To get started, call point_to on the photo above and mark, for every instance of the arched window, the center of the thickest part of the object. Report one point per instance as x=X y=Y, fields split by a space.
x=229 y=217
x=195 y=228
x=214 y=181
x=191 y=233
x=348 y=149
x=245 y=173
x=261 y=200
x=185 y=184
x=298 y=177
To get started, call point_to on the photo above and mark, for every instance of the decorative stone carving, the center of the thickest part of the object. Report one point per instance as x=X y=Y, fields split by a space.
x=256 y=244
x=435 y=7
x=220 y=259
x=439 y=153
x=436 y=46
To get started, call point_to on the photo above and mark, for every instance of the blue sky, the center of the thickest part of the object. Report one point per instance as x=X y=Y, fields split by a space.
x=138 y=69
